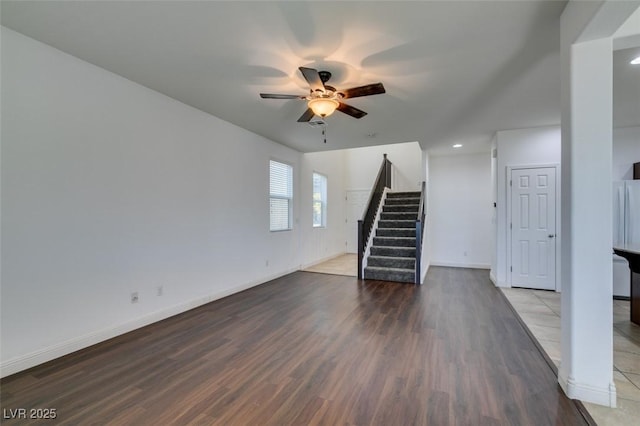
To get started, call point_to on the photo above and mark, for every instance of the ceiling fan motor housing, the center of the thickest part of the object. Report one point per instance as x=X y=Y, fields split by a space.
x=324 y=76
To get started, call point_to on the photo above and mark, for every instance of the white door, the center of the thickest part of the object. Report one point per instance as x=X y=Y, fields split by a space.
x=356 y=203
x=533 y=228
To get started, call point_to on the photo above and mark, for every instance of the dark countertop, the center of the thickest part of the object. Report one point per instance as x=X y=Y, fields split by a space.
x=631 y=252
x=629 y=248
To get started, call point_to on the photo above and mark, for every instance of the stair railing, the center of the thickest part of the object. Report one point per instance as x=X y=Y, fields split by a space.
x=420 y=223
x=368 y=218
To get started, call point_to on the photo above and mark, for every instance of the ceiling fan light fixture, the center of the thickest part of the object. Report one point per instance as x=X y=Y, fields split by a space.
x=323 y=107
x=323 y=100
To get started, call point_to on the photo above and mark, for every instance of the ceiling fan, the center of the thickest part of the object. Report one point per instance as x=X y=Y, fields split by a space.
x=323 y=99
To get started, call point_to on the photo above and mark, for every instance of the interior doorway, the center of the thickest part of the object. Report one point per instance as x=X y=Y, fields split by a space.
x=532 y=227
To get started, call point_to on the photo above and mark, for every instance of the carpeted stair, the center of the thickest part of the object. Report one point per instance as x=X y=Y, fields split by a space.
x=393 y=253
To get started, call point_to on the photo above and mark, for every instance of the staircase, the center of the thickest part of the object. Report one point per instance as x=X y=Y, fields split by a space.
x=393 y=253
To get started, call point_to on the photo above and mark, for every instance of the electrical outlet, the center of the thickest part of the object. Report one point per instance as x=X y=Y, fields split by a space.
x=159 y=290
x=134 y=297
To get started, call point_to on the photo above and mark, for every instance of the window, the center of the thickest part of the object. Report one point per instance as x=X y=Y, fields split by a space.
x=319 y=200
x=280 y=195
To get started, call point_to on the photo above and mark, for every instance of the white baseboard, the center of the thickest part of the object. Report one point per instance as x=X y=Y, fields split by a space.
x=586 y=393
x=49 y=353
x=460 y=265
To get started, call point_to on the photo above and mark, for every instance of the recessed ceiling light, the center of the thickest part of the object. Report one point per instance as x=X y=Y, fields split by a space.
x=636 y=61
x=458 y=145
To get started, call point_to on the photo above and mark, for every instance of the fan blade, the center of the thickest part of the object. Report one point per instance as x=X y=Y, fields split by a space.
x=352 y=111
x=308 y=115
x=274 y=96
x=313 y=78
x=368 y=90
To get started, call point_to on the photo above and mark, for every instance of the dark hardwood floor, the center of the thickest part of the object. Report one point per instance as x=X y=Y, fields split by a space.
x=313 y=349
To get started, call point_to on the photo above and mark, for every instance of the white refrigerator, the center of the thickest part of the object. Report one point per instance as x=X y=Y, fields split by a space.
x=626 y=229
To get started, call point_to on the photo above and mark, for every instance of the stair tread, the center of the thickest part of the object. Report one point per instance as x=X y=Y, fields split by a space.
x=394 y=247
x=384 y=268
x=400 y=238
x=399 y=221
x=377 y=256
x=414 y=193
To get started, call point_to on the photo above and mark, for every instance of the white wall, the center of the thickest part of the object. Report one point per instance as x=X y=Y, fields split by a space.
x=321 y=244
x=460 y=210
x=363 y=164
x=522 y=147
x=110 y=188
x=542 y=146
x=626 y=151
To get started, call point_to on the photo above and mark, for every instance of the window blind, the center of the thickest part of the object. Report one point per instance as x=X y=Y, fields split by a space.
x=280 y=195
x=319 y=200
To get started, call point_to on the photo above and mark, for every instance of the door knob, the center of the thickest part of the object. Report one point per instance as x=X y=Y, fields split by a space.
x=552 y=235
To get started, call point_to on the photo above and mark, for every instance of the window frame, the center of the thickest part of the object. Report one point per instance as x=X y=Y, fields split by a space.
x=324 y=182
x=288 y=197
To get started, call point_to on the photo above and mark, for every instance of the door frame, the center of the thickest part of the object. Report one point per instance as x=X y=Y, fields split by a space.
x=558 y=215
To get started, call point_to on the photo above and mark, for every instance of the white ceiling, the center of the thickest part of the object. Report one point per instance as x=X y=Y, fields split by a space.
x=454 y=71
x=626 y=88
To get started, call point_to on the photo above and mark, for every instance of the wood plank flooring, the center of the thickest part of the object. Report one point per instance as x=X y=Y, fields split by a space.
x=312 y=349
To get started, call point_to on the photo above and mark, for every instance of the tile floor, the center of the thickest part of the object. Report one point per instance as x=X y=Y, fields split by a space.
x=345 y=264
x=540 y=310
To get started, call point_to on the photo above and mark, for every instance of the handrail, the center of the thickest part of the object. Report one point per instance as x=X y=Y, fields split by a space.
x=420 y=233
x=383 y=180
